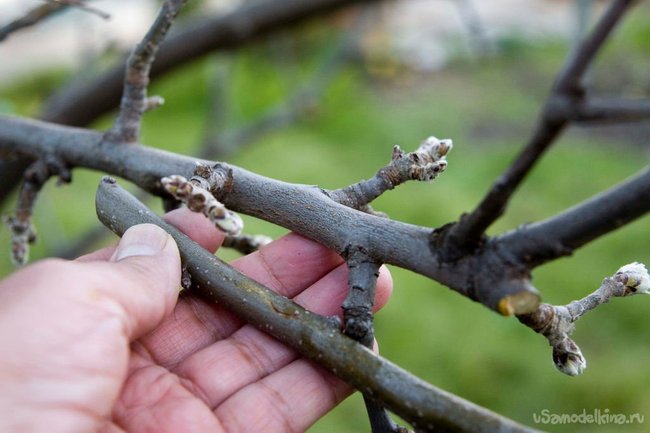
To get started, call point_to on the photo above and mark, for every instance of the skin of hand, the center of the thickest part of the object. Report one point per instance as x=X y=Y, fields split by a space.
x=105 y=344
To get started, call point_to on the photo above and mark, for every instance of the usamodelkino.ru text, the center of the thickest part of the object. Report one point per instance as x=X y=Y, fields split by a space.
x=595 y=416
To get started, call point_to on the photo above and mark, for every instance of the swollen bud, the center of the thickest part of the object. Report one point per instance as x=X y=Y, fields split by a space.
x=635 y=277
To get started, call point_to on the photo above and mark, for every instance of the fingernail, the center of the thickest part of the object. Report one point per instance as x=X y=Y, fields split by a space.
x=141 y=240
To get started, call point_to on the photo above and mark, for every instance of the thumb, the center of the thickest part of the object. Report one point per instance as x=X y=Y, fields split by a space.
x=143 y=276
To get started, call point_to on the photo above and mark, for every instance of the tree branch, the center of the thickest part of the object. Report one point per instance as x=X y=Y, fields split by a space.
x=557 y=322
x=136 y=79
x=313 y=336
x=358 y=322
x=560 y=235
x=601 y=110
x=486 y=277
x=32 y=17
x=20 y=223
x=424 y=164
x=468 y=233
x=44 y=11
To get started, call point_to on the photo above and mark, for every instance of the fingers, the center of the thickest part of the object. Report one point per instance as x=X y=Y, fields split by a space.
x=289 y=264
x=138 y=286
x=80 y=318
x=289 y=400
x=197 y=227
x=227 y=366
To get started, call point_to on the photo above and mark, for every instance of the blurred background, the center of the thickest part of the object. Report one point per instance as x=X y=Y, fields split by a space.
x=323 y=103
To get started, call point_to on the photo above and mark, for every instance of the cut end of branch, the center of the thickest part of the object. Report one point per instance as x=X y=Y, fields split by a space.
x=519 y=303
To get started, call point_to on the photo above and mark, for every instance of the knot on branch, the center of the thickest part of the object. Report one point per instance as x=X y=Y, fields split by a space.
x=358 y=322
x=217 y=179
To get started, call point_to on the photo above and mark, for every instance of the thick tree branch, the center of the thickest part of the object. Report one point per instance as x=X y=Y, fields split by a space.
x=561 y=234
x=311 y=335
x=469 y=231
x=487 y=276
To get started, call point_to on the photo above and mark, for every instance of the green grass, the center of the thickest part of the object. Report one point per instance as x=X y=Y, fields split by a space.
x=488 y=110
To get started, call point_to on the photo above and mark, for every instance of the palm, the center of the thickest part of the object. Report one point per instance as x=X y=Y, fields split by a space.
x=203 y=370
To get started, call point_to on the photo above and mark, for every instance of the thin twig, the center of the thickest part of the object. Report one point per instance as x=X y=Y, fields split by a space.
x=20 y=223
x=44 y=11
x=197 y=196
x=81 y=4
x=134 y=95
x=557 y=322
x=32 y=17
x=424 y=164
x=313 y=336
x=468 y=233
x=358 y=322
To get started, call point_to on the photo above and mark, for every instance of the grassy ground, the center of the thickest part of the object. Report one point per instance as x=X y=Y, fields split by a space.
x=488 y=108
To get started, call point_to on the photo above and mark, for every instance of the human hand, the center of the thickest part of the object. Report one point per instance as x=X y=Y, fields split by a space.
x=101 y=343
